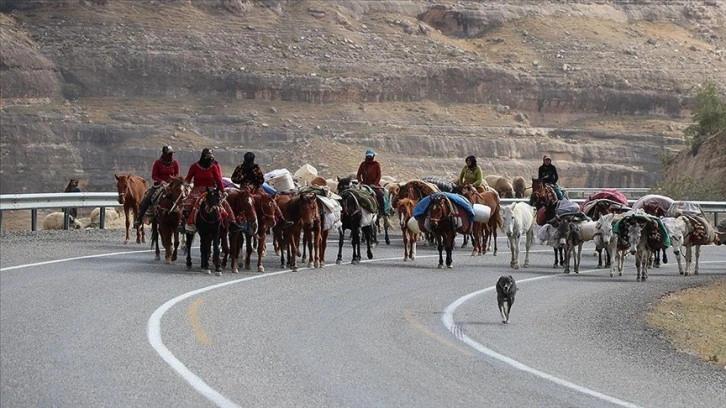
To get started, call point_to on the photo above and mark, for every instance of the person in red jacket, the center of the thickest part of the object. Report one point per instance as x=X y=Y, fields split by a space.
x=205 y=173
x=369 y=173
x=165 y=167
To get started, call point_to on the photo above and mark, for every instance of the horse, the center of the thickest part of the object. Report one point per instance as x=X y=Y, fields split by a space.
x=655 y=209
x=518 y=221
x=478 y=233
x=329 y=213
x=304 y=211
x=242 y=204
x=168 y=216
x=357 y=219
x=404 y=210
x=440 y=215
x=131 y=190
x=208 y=222
x=603 y=234
x=545 y=201
x=349 y=182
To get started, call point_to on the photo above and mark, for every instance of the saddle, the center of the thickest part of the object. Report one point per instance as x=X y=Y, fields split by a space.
x=366 y=198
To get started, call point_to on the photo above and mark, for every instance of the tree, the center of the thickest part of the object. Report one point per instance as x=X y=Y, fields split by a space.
x=709 y=115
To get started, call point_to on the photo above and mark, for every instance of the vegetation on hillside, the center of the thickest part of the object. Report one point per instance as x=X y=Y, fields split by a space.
x=709 y=115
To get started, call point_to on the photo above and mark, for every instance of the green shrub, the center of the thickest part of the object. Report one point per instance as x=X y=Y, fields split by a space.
x=690 y=189
x=709 y=115
x=71 y=91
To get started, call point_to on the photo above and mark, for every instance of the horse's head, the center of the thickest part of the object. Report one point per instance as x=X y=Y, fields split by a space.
x=344 y=183
x=438 y=210
x=508 y=213
x=122 y=187
x=604 y=224
x=266 y=209
x=677 y=230
x=212 y=198
x=308 y=209
x=404 y=209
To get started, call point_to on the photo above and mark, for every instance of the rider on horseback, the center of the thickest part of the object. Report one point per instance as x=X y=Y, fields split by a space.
x=369 y=173
x=206 y=173
x=248 y=174
x=470 y=174
x=165 y=167
x=548 y=174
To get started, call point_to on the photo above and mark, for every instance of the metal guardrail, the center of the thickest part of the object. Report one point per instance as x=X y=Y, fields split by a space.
x=34 y=202
x=38 y=201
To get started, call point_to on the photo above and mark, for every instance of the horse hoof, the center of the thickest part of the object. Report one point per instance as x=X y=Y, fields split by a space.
x=388 y=241
x=441 y=266
x=260 y=269
x=207 y=271
x=449 y=266
x=189 y=266
x=235 y=270
x=516 y=266
x=168 y=261
x=338 y=262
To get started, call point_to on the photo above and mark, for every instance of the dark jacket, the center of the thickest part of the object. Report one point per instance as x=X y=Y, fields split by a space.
x=548 y=174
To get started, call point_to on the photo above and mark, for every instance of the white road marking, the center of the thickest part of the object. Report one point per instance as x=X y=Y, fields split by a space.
x=154 y=331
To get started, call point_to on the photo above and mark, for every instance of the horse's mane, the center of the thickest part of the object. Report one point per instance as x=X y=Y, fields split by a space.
x=415 y=189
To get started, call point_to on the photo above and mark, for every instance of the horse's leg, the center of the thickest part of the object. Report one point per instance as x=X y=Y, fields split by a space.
x=406 y=253
x=127 y=223
x=440 y=247
x=578 y=257
x=665 y=256
x=514 y=248
x=527 y=245
x=356 y=242
x=449 y=247
x=688 y=259
x=261 y=237
x=323 y=246
x=466 y=240
x=556 y=260
x=368 y=231
x=341 y=238
x=190 y=240
x=216 y=252
x=494 y=239
x=386 y=224
x=698 y=255
x=174 y=253
x=249 y=249
x=562 y=256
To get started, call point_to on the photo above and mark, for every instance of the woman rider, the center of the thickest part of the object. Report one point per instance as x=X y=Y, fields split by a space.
x=206 y=173
x=165 y=167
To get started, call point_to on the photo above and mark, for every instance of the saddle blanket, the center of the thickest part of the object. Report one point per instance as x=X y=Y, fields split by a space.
x=463 y=212
x=645 y=217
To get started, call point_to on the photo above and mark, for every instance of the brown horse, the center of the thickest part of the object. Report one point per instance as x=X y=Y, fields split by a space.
x=131 y=190
x=487 y=231
x=303 y=210
x=545 y=201
x=168 y=217
x=265 y=209
x=478 y=230
x=243 y=207
x=442 y=225
x=404 y=210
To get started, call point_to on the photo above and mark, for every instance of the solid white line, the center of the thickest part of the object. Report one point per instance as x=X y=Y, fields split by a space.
x=10 y=268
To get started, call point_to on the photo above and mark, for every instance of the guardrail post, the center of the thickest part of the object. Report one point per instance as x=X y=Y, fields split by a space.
x=34 y=219
x=102 y=218
x=66 y=219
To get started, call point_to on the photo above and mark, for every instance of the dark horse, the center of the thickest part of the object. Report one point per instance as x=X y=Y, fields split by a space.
x=443 y=226
x=347 y=182
x=168 y=217
x=545 y=201
x=243 y=206
x=355 y=218
x=654 y=208
x=208 y=222
x=131 y=190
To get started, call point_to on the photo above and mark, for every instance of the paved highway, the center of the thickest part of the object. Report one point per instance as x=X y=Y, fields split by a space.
x=87 y=321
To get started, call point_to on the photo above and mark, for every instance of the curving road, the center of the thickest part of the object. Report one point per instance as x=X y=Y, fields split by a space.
x=87 y=321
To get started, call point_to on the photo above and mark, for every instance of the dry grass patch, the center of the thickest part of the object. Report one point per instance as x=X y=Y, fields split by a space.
x=694 y=320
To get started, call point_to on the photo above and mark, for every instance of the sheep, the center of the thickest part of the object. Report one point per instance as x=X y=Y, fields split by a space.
x=54 y=221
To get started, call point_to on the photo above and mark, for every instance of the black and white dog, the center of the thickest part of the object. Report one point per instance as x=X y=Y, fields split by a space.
x=506 y=289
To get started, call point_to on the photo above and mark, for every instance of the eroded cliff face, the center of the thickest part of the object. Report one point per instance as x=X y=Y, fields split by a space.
x=603 y=87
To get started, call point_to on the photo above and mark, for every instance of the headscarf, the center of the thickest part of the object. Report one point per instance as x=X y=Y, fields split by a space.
x=206 y=162
x=167 y=153
x=472 y=161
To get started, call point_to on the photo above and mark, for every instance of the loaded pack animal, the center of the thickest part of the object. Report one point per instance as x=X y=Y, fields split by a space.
x=488 y=231
x=478 y=230
x=131 y=191
x=506 y=291
x=691 y=231
x=208 y=222
x=518 y=222
x=414 y=190
x=404 y=211
x=603 y=234
x=167 y=218
x=358 y=214
x=655 y=209
x=383 y=212
x=570 y=236
x=329 y=214
x=645 y=236
x=443 y=215
x=545 y=202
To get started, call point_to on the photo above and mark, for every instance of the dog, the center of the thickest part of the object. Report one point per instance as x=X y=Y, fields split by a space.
x=506 y=289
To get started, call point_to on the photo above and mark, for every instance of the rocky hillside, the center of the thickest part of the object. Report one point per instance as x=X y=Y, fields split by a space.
x=93 y=87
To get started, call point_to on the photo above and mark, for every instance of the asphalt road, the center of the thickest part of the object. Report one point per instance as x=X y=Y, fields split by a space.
x=87 y=321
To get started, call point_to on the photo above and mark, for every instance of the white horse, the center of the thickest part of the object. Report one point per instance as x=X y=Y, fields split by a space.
x=518 y=221
x=603 y=235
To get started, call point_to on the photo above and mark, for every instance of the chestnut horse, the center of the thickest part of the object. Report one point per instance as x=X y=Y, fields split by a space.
x=302 y=209
x=131 y=190
x=404 y=210
x=488 y=231
x=242 y=205
x=168 y=217
x=545 y=201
